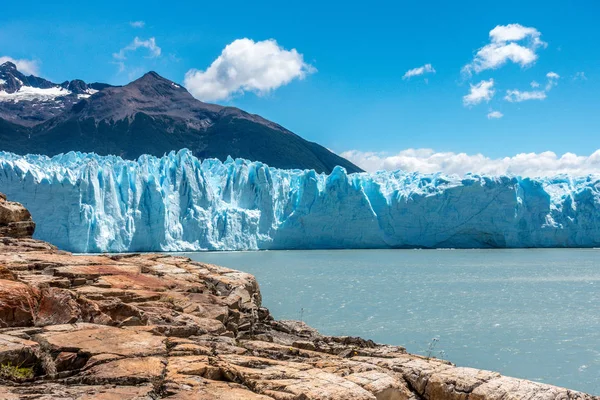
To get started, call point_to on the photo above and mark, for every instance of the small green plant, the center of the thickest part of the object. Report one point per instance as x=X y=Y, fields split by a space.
x=167 y=299
x=16 y=372
x=431 y=346
x=431 y=350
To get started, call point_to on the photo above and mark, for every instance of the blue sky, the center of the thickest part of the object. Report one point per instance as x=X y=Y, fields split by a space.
x=352 y=95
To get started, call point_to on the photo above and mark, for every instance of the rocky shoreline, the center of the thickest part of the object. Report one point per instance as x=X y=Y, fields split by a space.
x=161 y=327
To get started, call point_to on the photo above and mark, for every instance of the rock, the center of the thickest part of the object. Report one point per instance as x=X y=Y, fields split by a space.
x=129 y=371
x=15 y=220
x=53 y=391
x=94 y=339
x=16 y=351
x=17 y=303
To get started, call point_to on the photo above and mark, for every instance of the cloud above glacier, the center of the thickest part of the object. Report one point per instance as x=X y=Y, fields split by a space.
x=483 y=91
x=495 y=115
x=513 y=42
x=137 y=43
x=247 y=66
x=27 y=67
x=425 y=69
x=517 y=96
x=524 y=164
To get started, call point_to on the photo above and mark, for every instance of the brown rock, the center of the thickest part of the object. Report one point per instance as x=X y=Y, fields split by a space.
x=53 y=391
x=15 y=220
x=98 y=339
x=57 y=307
x=16 y=351
x=129 y=371
x=17 y=303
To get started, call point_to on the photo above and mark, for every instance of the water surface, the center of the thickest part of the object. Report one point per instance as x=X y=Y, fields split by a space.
x=531 y=313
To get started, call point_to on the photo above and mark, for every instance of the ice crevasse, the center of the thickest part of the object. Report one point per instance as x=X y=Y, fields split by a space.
x=90 y=203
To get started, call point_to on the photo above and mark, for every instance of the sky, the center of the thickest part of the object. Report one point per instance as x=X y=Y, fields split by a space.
x=438 y=85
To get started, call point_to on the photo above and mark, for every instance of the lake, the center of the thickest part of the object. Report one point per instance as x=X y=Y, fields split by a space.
x=531 y=313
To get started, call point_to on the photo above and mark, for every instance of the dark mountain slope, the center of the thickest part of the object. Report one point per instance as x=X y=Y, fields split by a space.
x=153 y=115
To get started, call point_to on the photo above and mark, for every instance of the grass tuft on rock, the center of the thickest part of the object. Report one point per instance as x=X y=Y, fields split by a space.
x=16 y=373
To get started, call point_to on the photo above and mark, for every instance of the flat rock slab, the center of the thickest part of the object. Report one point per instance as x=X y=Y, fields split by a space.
x=99 y=339
x=211 y=390
x=77 y=392
x=96 y=271
x=129 y=371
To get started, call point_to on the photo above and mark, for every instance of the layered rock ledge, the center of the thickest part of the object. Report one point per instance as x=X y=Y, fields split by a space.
x=161 y=327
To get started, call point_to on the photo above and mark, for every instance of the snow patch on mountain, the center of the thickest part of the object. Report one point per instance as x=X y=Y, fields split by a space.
x=87 y=93
x=28 y=93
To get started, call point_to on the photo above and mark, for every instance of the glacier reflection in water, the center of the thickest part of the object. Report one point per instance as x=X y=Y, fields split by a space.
x=532 y=314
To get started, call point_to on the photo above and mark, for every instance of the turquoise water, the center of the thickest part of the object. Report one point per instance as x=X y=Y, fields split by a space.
x=532 y=314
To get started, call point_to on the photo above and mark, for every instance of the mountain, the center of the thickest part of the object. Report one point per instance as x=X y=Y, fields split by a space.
x=29 y=100
x=151 y=115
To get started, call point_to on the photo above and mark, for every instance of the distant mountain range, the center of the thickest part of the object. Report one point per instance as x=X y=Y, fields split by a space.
x=150 y=115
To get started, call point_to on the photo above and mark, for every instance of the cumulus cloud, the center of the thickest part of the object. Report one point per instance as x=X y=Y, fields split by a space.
x=580 y=76
x=512 y=42
x=247 y=66
x=27 y=67
x=517 y=96
x=425 y=69
x=524 y=164
x=483 y=91
x=137 y=43
x=495 y=115
x=515 y=33
x=137 y=24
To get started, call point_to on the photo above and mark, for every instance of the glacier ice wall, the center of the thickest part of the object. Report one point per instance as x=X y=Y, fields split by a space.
x=87 y=203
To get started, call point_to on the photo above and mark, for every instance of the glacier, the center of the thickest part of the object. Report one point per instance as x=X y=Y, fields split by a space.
x=87 y=203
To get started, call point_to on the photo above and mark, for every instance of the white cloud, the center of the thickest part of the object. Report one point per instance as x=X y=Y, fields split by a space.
x=137 y=43
x=483 y=91
x=137 y=24
x=515 y=33
x=245 y=65
x=524 y=164
x=503 y=47
x=425 y=69
x=27 y=67
x=495 y=115
x=580 y=76
x=553 y=78
x=516 y=96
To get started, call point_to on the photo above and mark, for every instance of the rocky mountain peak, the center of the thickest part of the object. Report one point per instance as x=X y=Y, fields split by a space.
x=76 y=86
x=8 y=66
x=12 y=79
x=152 y=84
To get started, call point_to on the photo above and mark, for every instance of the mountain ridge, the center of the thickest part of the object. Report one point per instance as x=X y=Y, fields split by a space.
x=150 y=115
